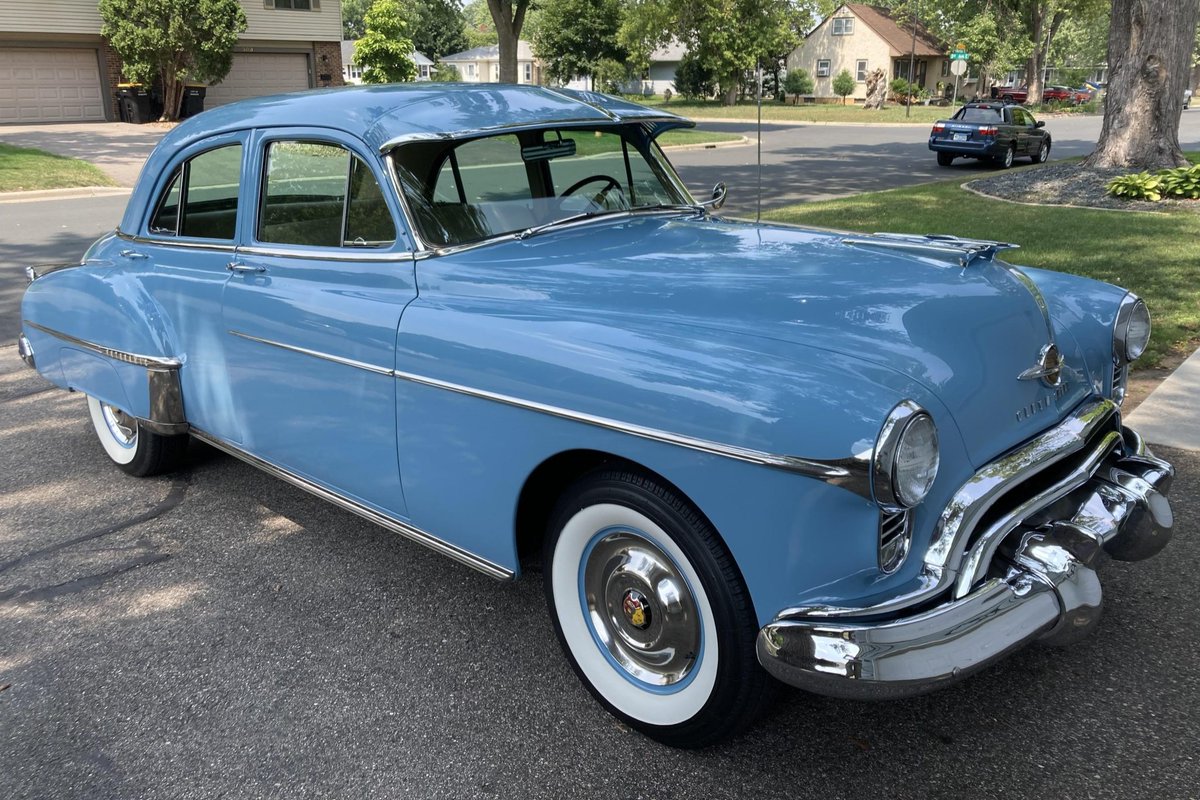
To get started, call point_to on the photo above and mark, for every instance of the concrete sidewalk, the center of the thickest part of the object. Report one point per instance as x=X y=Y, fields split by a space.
x=1171 y=414
x=118 y=148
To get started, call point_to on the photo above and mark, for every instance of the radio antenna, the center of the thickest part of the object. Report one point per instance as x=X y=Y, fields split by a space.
x=758 y=213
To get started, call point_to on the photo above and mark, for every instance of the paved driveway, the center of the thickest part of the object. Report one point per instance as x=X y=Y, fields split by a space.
x=118 y=148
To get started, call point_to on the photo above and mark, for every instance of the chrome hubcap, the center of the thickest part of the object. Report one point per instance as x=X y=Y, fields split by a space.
x=122 y=426
x=641 y=608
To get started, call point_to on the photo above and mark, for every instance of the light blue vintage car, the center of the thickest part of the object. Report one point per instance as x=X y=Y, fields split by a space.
x=492 y=319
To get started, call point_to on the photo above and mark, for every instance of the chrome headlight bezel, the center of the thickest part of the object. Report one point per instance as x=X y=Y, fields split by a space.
x=1132 y=310
x=886 y=484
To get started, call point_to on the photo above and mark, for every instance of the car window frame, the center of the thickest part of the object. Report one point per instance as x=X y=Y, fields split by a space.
x=176 y=166
x=255 y=185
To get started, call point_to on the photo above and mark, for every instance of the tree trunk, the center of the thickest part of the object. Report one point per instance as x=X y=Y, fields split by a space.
x=1149 y=57
x=730 y=90
x=509 y=18
x=1033 y=65
x=172 y=94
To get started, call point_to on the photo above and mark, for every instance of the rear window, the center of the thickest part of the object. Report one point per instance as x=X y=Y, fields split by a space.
x=979 y=115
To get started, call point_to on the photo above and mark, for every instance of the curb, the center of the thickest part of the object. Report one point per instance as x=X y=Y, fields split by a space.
x=966 y=187
x=739 y=142
x=63 y=194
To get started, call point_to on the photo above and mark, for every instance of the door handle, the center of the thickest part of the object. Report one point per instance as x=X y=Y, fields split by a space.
x=239 y=267
x=132 y=254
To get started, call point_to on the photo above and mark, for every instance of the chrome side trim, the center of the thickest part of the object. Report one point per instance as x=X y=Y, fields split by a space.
x=349 y=362
x=166 y=402
x=383 y=520
x=173 y=241
x=850 y=473
x=38 y=270
x=119 y=355
x=25 y=351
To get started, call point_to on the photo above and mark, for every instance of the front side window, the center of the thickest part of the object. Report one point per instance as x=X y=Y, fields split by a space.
x=321 y=195
x=208 y=185
x=469 y=191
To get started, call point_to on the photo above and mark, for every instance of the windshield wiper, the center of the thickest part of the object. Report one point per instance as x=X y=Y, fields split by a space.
x=695 y=209
x=536 y=229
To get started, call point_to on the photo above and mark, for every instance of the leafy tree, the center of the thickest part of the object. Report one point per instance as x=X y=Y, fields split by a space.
x=843 y=85
x=798 y=82
x=577 y=35
x=1150 y=46
x=437 y=28
x=444 y=72
x=174 y=41
x=728 y=36
x=478 y=27
x=509 y=18
x=385 y=51
x=693 y=79
x=354 y=13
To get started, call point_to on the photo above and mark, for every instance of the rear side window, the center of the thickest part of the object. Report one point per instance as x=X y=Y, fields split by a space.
x=321 y=195
x=980 y=115
x=208 y=185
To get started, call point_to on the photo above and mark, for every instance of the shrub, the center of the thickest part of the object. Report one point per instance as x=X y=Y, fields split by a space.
x=798 y=82
x=1180 y=183
x=693 y=79
x=843 y=85
x=900 y=89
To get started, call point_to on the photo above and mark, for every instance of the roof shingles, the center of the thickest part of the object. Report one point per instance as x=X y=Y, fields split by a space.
x=898 y=37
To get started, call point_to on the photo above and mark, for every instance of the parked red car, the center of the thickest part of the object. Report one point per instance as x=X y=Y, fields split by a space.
x=1058 y=94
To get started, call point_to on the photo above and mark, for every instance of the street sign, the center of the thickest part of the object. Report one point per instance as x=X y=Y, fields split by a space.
x=958 y=67
x=959 y=55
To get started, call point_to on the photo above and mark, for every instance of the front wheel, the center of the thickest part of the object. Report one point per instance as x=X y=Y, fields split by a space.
x=130 y=446
x=1043 y=154
x=652 y=612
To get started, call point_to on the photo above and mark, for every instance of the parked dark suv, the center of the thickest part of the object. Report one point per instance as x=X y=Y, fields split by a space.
x=997 y=131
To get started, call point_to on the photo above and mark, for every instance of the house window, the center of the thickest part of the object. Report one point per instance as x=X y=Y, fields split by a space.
x=823 y=68
x=470 y=70
x=529 y=72
x=860 y=70
x=945 y=67
x=495 y=73
x=424 y=70
x=843 y=26
x=294 y=5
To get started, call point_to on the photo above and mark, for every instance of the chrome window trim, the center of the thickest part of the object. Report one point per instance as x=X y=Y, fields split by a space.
x=516 y=127
x=850 y=473
x=175 y=241
x=383 y=520
x=328 y=254
x=155 y=362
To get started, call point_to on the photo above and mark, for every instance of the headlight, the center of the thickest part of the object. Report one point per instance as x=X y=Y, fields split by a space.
x=1131 y=332
x=906 y=457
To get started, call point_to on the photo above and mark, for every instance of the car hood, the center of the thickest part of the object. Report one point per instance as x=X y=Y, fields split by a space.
x=966 y=334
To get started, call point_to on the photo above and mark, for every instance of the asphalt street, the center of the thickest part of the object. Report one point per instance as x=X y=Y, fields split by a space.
x=219 y=633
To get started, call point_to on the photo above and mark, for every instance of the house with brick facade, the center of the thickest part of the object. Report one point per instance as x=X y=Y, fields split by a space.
x=862 y=38
x=56 y=67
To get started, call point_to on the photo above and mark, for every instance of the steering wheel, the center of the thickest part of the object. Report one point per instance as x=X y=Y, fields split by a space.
x=610 y=183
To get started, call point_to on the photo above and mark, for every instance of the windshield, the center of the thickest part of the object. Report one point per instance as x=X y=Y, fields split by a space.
x=462 y=192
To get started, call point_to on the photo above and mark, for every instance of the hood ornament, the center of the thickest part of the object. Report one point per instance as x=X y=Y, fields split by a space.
x=1048 y=367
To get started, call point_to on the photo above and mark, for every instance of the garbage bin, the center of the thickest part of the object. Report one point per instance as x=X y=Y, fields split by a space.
x=193 y=100
x=135 y=103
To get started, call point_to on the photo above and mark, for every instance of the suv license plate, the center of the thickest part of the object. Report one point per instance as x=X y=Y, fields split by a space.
x=960 y=137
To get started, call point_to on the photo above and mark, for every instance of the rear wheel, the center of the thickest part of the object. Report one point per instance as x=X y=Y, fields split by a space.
x=130 y=446
x=945 y=159
x=651 y=611
x=1005 y=161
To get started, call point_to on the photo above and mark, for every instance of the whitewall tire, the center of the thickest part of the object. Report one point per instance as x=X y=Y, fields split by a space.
x=131 y=447
x=651 y=611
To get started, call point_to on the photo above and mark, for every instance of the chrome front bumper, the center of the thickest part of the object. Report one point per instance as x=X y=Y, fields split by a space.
x=1039 y=582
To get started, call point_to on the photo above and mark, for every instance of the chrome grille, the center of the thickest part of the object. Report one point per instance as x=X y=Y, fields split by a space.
x=894 y=539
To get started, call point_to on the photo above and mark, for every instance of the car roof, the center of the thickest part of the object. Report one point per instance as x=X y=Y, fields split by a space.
x=388 y=114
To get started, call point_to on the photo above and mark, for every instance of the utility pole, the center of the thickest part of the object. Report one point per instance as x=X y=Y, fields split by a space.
x=912 y=58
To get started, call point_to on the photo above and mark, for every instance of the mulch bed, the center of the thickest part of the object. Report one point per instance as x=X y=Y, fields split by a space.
x=1067 y=184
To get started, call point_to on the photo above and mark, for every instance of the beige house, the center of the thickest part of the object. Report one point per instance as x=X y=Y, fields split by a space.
x=862 y=38
x=482 y=64
x=56 y=67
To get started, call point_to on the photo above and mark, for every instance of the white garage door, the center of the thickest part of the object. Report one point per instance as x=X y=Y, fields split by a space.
x=49 y=85
x=257 y=74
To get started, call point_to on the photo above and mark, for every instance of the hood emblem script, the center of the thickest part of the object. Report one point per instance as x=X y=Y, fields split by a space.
x=1048 y=367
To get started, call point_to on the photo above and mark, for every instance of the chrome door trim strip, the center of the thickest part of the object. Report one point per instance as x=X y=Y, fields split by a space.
x=349 y=362
x=850 y=473
x=383 y=520
x=328 y=254
x=155 y=362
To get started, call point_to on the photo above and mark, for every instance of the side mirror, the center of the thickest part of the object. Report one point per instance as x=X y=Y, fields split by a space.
x=1041 y=123
x=718 y=196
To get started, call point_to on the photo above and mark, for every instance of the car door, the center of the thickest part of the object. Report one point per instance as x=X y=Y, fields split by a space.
x=311 y=312
x=186 y=241
x=1026 y=143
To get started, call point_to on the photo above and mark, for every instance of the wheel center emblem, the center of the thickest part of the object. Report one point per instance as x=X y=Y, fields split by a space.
x=637 y=609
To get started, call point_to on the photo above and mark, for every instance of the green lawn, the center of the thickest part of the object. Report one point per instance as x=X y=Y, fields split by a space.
x=682 y=137
x=23 y=169
x=1153 y=255
x=813 y=112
